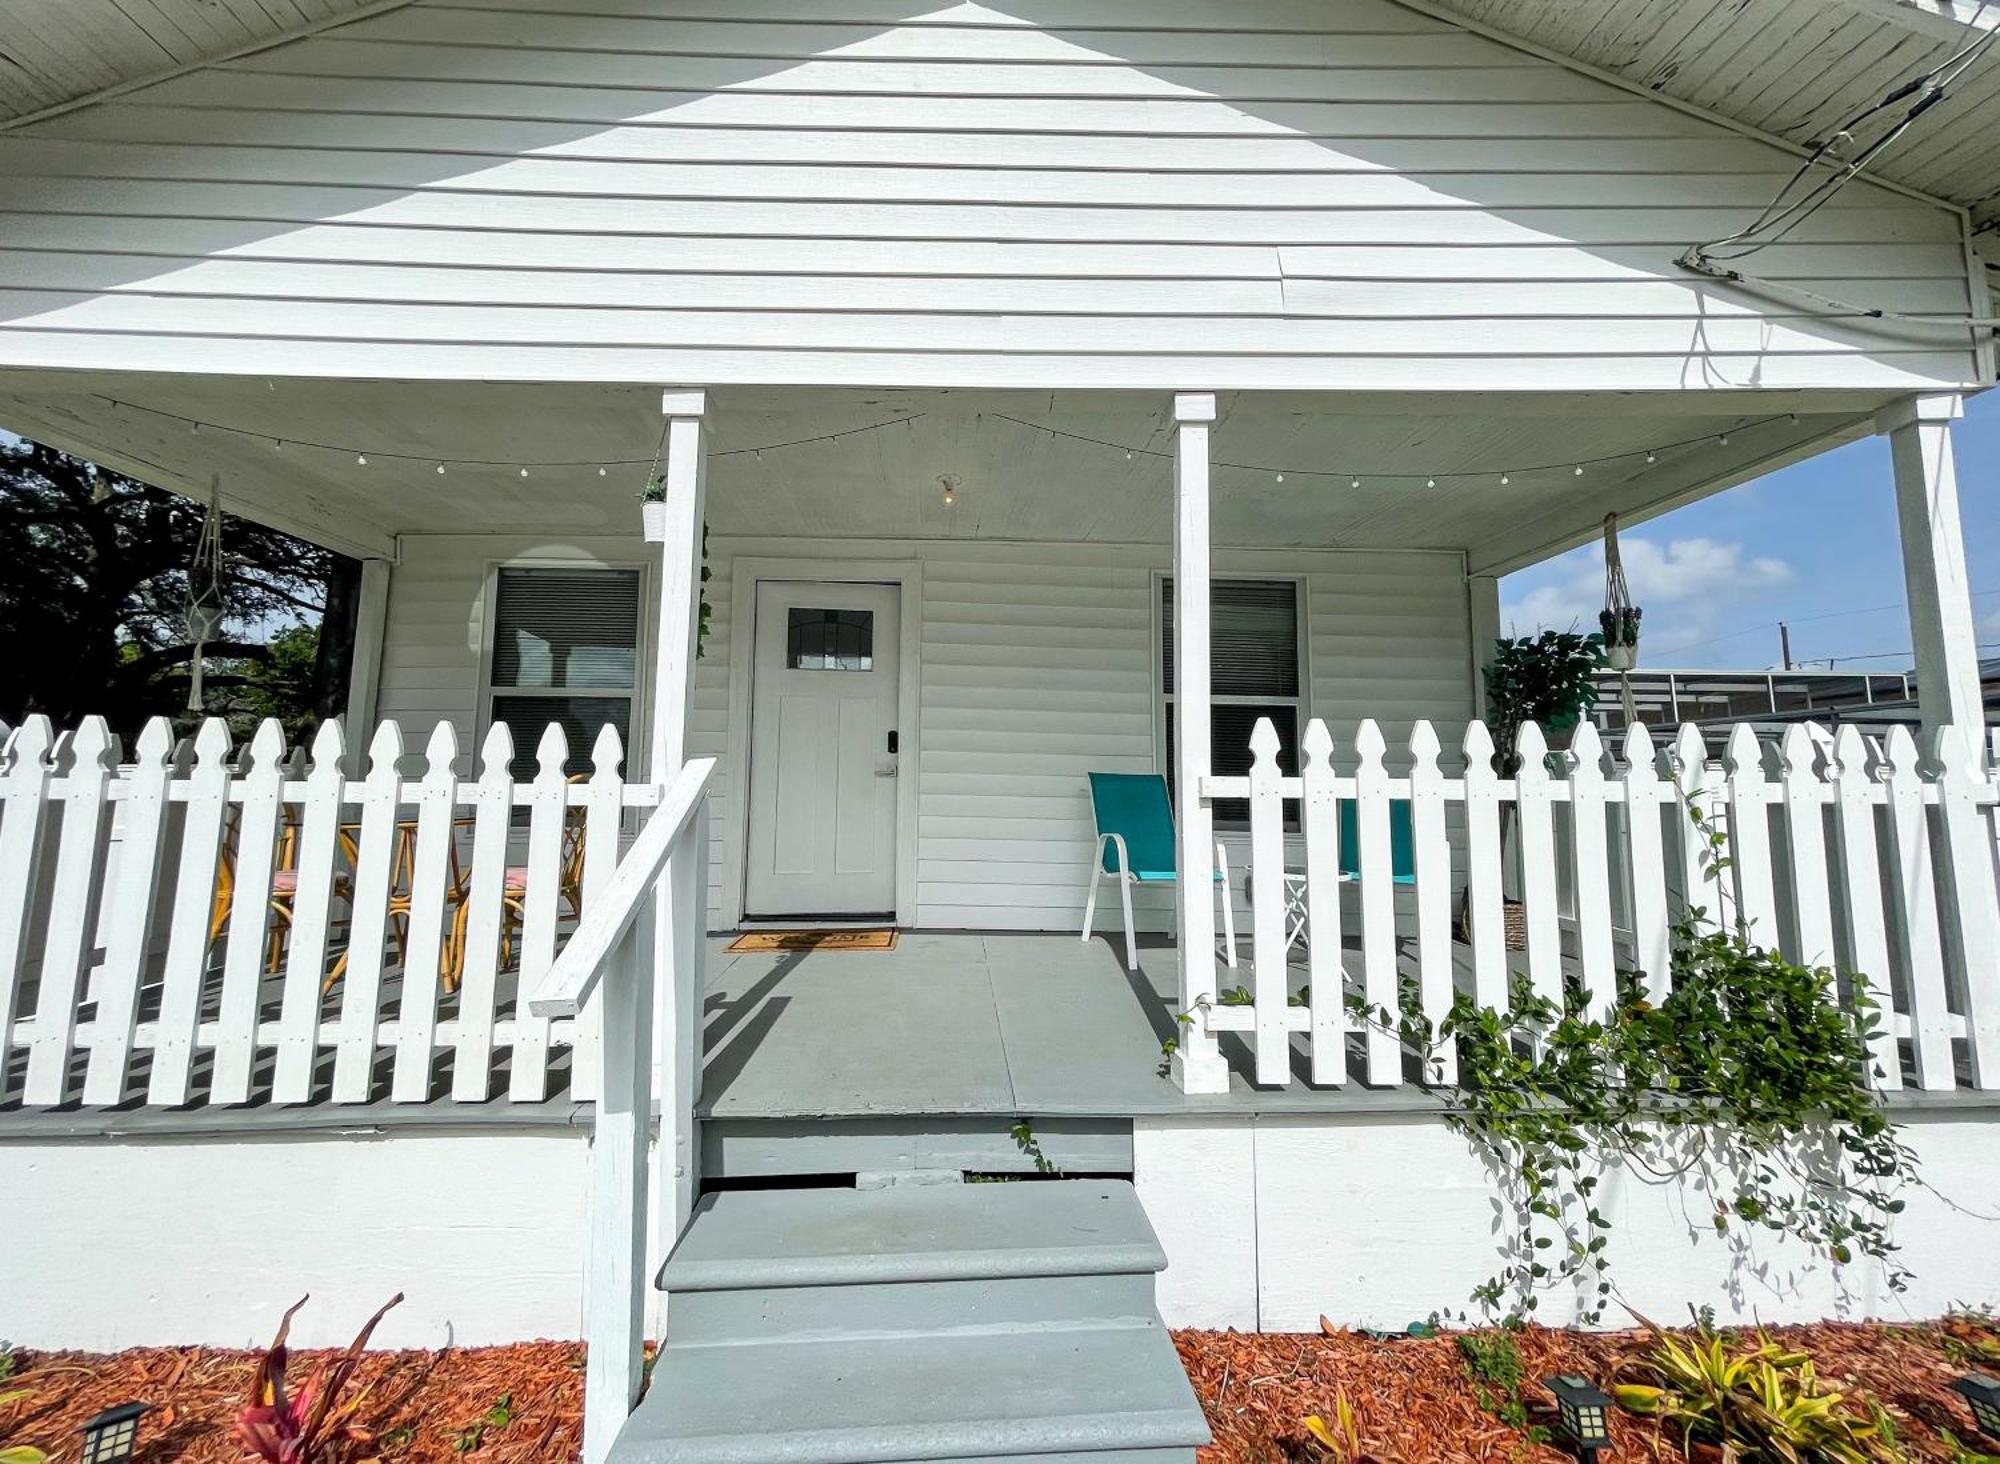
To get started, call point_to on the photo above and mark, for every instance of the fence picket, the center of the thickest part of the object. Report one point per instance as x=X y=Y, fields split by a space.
x=1537 y=839
x=1805 y=786
x=25 y=772
x=604 y=815
x=1319 y=814
x=1269 y=986
x=374 y=865
x=1862 y=891
x=1378 y=901
x=548 y=813
x=129 y=915
x=1917 y=915
x=82 y=791
x=312 y=903
x=1973 y=932
x=484 y=915
x=432 y=864
x=1702 y=889
x=1490 y=980
x=1590 y=849
x=262 y=784
x=191 y=930
x=1432 y=867
x=1651 y=932
x=1750 y=836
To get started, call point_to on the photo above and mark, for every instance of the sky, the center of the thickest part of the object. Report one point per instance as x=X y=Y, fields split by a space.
x=1814 y=545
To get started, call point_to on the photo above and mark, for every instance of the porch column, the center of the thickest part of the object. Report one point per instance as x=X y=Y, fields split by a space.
x=681 y=901
x=1941 y=627
x=364 y=669
x=1197 y=1062
x=1482 y=593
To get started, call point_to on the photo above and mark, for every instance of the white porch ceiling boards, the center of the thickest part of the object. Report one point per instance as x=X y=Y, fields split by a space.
x=58 y=51
x=1794 y=69
x=1015 y=482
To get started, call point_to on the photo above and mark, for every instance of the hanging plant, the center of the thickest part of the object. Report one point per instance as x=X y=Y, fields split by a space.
x=207 y=602
x=1620 y=617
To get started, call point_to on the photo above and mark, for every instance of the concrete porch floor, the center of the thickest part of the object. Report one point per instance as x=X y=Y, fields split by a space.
x=968 y=1023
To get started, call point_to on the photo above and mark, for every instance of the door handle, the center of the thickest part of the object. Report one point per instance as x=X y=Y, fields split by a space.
x=886 y=771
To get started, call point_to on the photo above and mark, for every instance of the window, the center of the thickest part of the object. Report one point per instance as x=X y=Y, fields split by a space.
x=830 y=640
x=1253 y=672
x=565 y=650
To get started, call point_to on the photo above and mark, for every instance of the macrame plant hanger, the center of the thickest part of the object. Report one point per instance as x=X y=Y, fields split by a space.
x=1619 y=619
x=206 y=592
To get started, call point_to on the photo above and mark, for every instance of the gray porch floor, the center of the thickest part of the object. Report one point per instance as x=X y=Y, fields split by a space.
x=967 y=1023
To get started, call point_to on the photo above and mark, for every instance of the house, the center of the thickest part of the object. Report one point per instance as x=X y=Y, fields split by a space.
x=1038 y=388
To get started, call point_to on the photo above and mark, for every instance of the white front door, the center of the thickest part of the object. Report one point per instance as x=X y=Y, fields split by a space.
x=823 y=742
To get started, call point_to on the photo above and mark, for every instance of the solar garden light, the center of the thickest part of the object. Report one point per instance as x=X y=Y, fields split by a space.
x=1983 y=1393
x=108 y=1438
x=1585 y=1414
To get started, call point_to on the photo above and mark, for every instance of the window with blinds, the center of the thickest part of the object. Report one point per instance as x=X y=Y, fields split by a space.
x=1253 y=672
x=565 y=650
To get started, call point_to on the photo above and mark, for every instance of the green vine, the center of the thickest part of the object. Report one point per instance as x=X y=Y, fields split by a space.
x=1028 y=1144
x=1748 y=1080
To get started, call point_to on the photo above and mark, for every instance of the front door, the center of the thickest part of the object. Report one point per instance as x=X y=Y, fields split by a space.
x=823 y=742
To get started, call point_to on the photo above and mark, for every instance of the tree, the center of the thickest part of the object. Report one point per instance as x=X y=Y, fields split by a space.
x=92 y=588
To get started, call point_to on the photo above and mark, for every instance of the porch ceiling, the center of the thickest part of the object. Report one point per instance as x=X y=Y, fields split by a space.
x=1028 y=466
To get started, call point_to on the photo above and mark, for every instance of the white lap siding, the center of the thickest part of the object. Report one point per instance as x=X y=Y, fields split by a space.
x=1279 y=193
x=1037 y=666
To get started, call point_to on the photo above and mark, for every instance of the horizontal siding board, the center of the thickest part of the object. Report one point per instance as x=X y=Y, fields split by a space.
x=306 y=320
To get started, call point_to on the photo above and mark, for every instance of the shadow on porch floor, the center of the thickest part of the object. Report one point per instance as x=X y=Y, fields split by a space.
x=967 y=1023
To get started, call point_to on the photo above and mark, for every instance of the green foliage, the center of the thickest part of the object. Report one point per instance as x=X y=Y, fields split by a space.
x=92 y=585
x=1494 y=1360
x=1028 y=1144
x=1758 y=1402
x=1548 y=679
x=1746 y=1081
x=281 y=685
x=474 y=1434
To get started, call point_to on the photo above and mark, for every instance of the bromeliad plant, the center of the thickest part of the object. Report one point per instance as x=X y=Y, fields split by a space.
x=315 y=1426
x=1757 y=1402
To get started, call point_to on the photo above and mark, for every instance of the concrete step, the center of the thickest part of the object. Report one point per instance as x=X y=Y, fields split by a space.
x=1082 y=1391
x=965 y=1322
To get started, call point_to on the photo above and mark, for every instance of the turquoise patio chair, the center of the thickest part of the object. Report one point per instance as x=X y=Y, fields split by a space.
x=1402 y=842
x=1134 y=844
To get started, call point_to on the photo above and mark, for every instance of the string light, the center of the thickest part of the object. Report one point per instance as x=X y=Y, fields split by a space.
x=1650 y=455
x=1504 y=480
x=361 y=455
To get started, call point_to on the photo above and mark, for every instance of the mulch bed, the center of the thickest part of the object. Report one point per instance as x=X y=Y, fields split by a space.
x=1413 y=1397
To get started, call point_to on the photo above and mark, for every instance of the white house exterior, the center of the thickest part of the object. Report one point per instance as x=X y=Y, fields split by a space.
x=1005 y=353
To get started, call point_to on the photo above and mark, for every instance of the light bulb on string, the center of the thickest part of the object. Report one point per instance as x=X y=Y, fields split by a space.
x=440 y=470
x=1356 y=483
x=1504 y=480
x=1579 y=470
x=524 y=472
x=1277 y=477
x=1652 y=457
x=1723 y=439
x=361 y=459
x=601 y=472
x=1430 y=482
x=1128 y=454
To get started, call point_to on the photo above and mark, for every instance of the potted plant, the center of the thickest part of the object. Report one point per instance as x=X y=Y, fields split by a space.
x=1621 y=636
x=653 y=511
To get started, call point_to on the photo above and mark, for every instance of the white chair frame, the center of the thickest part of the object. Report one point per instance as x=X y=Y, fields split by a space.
x=1123 y=875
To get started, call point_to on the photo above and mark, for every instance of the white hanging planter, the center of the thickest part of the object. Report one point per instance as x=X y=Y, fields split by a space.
x=1621 y=658
x=653 y=522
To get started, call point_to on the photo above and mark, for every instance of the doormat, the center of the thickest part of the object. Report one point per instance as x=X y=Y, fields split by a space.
x=815 y=940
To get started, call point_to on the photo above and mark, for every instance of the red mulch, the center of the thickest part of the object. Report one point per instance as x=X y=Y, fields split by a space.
x=1413 y=1398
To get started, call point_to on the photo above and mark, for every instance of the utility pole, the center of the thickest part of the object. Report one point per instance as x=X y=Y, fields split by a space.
x=1785 y=644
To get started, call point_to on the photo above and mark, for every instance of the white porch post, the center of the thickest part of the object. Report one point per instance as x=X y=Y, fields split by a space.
x=1482 y=593
x=364 y=671
x=1197 y=1062
x=680 y=904
x=1941 y=626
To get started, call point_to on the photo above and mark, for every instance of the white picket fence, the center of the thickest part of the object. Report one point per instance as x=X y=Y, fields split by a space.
x=1844 y=851
x=411 y=936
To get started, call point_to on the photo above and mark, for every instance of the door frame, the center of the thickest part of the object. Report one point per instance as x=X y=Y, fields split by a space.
x=746 y=572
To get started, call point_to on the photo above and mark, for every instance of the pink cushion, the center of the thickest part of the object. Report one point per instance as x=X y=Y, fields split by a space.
x=517 y=877
x=285 y=882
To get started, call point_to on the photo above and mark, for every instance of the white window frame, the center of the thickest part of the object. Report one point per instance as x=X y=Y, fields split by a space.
x=641 y=694
x=1163 y=700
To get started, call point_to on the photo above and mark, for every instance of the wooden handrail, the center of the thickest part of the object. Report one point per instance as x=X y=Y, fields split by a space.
x=572 y=978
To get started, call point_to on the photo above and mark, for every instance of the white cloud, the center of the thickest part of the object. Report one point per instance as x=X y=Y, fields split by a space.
x=1683 y=585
